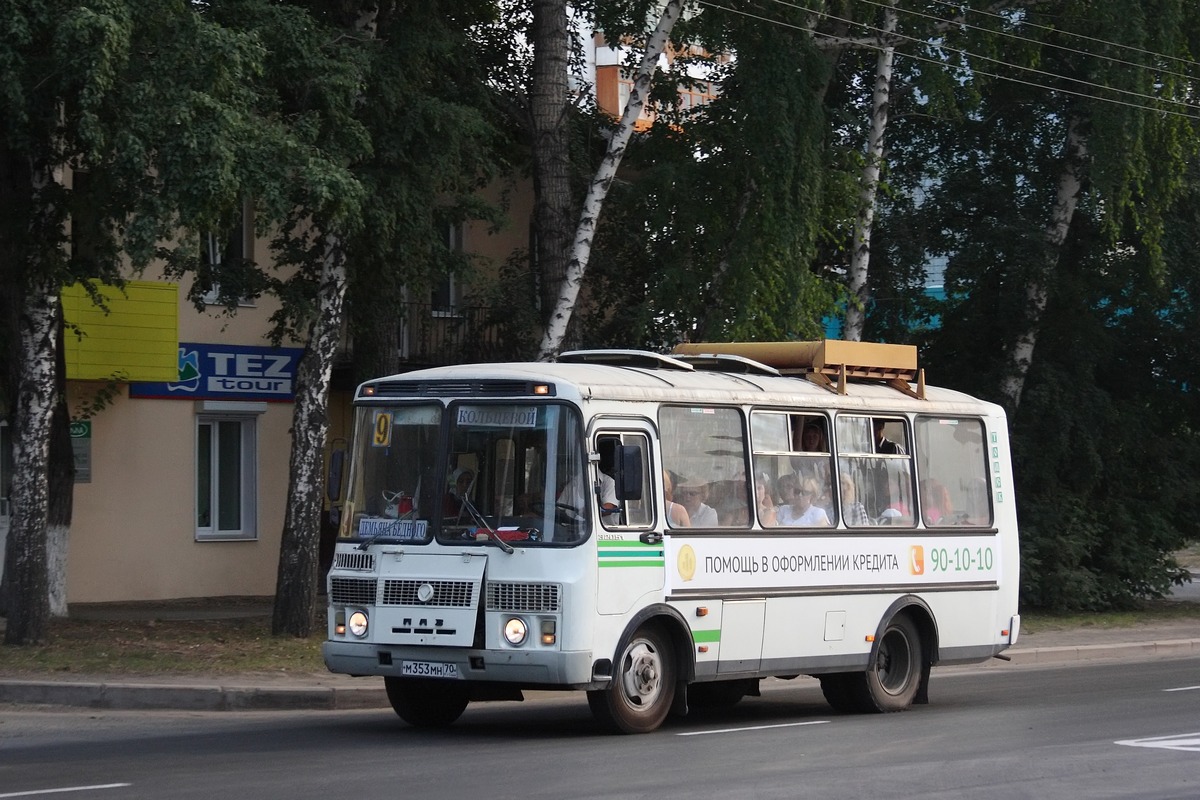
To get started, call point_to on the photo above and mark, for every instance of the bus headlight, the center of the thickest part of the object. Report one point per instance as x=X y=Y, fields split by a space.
x=358 y=623
x=515 y=631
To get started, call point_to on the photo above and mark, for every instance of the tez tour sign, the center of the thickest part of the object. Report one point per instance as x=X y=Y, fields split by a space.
x=228 y=372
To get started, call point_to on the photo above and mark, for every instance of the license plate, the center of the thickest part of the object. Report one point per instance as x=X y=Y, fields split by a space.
x=429 y=669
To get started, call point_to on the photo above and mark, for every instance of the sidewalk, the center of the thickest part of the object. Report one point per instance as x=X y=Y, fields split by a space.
x=326 y=691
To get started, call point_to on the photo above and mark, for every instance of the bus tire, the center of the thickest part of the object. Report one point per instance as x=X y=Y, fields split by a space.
x=838 y=691
x=643 y=685
x=426 y=703
x=894 y=674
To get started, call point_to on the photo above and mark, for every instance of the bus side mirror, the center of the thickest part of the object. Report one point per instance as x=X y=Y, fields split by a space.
x=333 y=481
x=629 y=473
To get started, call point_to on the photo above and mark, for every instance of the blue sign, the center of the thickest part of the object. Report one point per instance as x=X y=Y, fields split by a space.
x=228 y=372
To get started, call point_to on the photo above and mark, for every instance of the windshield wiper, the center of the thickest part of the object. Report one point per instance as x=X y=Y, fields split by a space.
x=370 y=540
x=479 y=520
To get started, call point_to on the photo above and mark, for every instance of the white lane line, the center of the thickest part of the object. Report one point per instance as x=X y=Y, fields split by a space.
x=66 y=789
x=751 y=728
x=1189 y=742
x=1183 y=689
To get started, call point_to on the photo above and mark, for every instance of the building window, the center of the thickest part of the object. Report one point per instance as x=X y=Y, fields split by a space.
x=446 y=293
x=226 y=479
x=226 y=246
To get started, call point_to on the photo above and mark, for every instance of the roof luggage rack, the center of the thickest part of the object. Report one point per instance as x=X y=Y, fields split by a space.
x=721 y=362
x=826 y=361
x=624 y=358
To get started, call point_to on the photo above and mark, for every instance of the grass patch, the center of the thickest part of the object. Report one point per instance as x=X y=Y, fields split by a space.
x=1154 y=612
x=163 y=647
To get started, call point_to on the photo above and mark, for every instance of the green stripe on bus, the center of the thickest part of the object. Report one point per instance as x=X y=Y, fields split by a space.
x=706 y=636
x=651 y=562
x=632 y=553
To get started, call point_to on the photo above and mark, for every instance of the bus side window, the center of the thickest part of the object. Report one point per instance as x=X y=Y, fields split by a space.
x=953 y=464
x=874 y=452
x=624 y=458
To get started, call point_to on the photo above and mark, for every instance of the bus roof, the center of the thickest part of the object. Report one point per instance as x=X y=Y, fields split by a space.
x=704 y=376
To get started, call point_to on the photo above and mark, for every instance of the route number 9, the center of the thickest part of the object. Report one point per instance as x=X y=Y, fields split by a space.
x=383 y=429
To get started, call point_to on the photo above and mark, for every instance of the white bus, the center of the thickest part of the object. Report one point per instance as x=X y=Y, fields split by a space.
x=505 y=528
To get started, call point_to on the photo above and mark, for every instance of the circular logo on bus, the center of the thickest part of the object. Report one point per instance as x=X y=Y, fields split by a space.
x=686 y=562
x=425 y=592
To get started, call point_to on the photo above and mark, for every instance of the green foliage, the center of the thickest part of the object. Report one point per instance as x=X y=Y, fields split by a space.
x=714 y=234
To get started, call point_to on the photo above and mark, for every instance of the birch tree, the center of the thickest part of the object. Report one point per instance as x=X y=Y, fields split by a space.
x=589 y=215
x=860 y=257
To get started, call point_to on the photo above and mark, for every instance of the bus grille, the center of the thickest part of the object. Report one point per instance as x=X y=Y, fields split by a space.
x=445 y=593
x=363 y=561
x=352 y=591
x=523 y=596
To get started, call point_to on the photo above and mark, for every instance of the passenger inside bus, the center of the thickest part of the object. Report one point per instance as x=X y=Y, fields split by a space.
x=694 y=495
x=677 y=515
x=853 y=512
x=798 y=509
x=813 y=439
x=462 y=481
x=765 y=500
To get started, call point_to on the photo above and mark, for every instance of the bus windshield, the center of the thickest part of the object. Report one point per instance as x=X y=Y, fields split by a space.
x=512 y=473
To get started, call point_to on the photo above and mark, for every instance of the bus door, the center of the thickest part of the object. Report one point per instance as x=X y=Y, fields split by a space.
x=629 y=545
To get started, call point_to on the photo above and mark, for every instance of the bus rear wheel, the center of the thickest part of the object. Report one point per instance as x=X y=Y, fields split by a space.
x=643 y=685
x=894 y=674
x=426 y=703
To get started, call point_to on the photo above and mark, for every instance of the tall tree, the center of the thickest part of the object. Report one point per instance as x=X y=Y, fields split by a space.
x=589 y=215
x=156 y=103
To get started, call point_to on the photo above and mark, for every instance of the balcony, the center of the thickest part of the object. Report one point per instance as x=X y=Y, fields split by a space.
x=431 y=336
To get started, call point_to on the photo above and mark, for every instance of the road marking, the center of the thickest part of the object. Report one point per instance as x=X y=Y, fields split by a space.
x=67 y=789
x=1184 y=741
x=1183 y=689
x=753 y=728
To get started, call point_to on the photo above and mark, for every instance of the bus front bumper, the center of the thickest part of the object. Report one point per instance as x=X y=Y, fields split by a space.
x=524 y=667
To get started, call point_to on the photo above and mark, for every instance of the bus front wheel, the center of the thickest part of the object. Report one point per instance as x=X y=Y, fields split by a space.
x=643 y=685
x=426 y=703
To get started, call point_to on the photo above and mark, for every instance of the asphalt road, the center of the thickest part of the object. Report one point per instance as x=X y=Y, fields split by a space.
x=1092 y=730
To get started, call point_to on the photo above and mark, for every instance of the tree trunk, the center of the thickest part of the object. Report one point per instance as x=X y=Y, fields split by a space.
x=296 y=586
x=1036 y=293
x=26 y=562
x=61 y=484
x=589 y=216
x=548 y=107
x=860 y=257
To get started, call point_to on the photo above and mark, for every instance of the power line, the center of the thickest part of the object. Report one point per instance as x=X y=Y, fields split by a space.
x=998 y=61
x=961 y=22
x=1083 y=36
x=983 y=73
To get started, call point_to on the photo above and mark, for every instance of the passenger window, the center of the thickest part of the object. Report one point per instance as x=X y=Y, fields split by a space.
x=704 y=453
x=953 y=465
x=792 y=469
x=875 y=471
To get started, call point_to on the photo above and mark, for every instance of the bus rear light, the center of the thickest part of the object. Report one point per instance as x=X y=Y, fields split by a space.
x=549 y=634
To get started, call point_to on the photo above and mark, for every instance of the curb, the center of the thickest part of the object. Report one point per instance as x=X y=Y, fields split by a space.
x=157 y=696
x=1134 y=651
x=215 y=697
